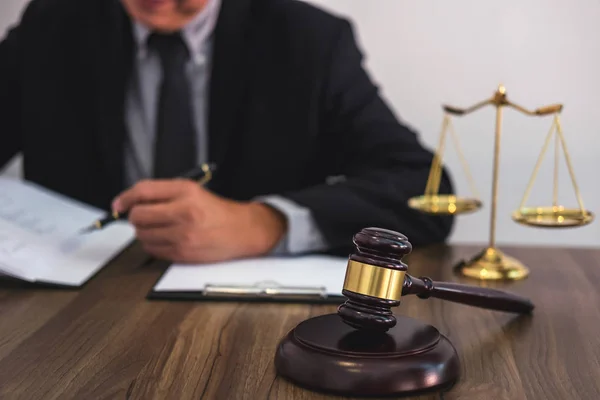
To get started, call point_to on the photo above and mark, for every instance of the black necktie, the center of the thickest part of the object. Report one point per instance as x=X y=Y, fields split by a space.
x=175 y=145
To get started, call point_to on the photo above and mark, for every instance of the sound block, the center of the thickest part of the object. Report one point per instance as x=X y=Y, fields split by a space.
x=325 y=354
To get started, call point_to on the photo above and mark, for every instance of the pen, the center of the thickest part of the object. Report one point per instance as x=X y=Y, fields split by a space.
x=202 y=174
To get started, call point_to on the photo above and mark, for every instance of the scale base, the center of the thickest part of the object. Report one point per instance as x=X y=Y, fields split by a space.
x=492 y=264
x=326 y=355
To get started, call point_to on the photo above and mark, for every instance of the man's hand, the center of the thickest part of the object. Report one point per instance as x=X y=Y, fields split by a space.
x=180 y=221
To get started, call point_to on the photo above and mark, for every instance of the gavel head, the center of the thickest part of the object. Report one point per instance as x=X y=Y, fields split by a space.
x=374 y=279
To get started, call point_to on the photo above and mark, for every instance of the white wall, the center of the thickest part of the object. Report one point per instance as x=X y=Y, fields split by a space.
x=431 y=52
x=9 y=12
x=425 y=53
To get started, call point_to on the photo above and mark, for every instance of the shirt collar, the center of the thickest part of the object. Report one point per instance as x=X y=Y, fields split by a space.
x=195 y=33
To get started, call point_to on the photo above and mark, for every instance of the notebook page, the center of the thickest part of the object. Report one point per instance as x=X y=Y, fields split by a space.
x=305 y=271
x=15 y=251
x=40 y=239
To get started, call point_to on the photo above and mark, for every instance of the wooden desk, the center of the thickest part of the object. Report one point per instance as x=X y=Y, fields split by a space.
x=107 y=342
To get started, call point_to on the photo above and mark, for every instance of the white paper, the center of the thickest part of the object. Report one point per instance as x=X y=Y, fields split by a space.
x=313 y=271
x=40 y=239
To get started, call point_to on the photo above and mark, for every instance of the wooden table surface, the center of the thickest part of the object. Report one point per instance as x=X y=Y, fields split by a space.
x=106 y=341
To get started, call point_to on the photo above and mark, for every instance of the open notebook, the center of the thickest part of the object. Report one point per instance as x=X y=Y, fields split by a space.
x=40 y=239
x=306 y=278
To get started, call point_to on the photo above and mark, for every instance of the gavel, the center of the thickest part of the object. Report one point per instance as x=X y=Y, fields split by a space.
x=376 y=280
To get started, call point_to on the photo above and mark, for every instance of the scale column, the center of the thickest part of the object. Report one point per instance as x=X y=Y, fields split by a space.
x=495 y=175
x=491 y=263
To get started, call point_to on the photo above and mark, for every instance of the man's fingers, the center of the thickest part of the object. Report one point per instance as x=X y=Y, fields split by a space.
x=158 y=236
x=153 y=215
x=160 y=251
x=177 y=212
x=152 y=191
x=171 y=253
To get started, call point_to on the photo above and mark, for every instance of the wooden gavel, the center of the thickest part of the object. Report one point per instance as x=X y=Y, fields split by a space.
x=376 y=279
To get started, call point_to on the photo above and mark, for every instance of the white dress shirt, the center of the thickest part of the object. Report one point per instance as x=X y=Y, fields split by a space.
x=141 y=108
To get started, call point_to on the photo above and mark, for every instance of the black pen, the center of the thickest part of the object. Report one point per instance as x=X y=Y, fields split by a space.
x=202 y=174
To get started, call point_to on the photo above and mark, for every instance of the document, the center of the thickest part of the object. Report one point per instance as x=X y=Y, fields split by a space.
x=311 y=276
x=40 y=238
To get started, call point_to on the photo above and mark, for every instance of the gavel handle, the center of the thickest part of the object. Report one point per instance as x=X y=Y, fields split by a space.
x=465 y=294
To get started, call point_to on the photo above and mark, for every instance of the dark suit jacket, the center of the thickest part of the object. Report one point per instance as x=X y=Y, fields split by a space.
x=290 y=106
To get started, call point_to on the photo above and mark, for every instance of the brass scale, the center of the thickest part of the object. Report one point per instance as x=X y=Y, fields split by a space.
x=491 y=263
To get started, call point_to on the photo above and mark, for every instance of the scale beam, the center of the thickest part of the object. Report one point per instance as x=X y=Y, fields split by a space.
x=499 y=99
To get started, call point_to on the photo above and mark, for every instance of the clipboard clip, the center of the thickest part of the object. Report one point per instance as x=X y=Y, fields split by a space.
x=266 y=289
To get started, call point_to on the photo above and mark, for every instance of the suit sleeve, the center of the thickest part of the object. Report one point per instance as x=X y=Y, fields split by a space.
x=10 y=131
x=381 y=161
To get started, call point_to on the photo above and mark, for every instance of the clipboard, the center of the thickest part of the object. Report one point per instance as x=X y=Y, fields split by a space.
x=304 y=279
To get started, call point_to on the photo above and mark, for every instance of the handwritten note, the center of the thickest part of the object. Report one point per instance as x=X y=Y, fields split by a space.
x=40 y=239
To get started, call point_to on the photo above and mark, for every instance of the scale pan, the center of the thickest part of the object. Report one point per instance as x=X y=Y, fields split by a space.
x=444 y=204
x=552 y=217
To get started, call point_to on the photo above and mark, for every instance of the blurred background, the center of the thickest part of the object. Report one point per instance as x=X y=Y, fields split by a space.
x=425 y=53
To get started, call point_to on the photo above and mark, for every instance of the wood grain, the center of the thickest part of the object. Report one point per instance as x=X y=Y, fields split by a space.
x=106 y=341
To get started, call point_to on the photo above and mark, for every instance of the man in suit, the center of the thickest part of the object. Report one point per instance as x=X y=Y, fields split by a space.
x=110 y=100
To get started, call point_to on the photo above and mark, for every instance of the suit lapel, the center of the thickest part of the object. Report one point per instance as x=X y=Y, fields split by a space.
x=111 y=65
x=228 y=77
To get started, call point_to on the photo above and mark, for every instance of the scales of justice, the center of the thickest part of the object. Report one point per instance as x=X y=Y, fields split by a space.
x=491 y=263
